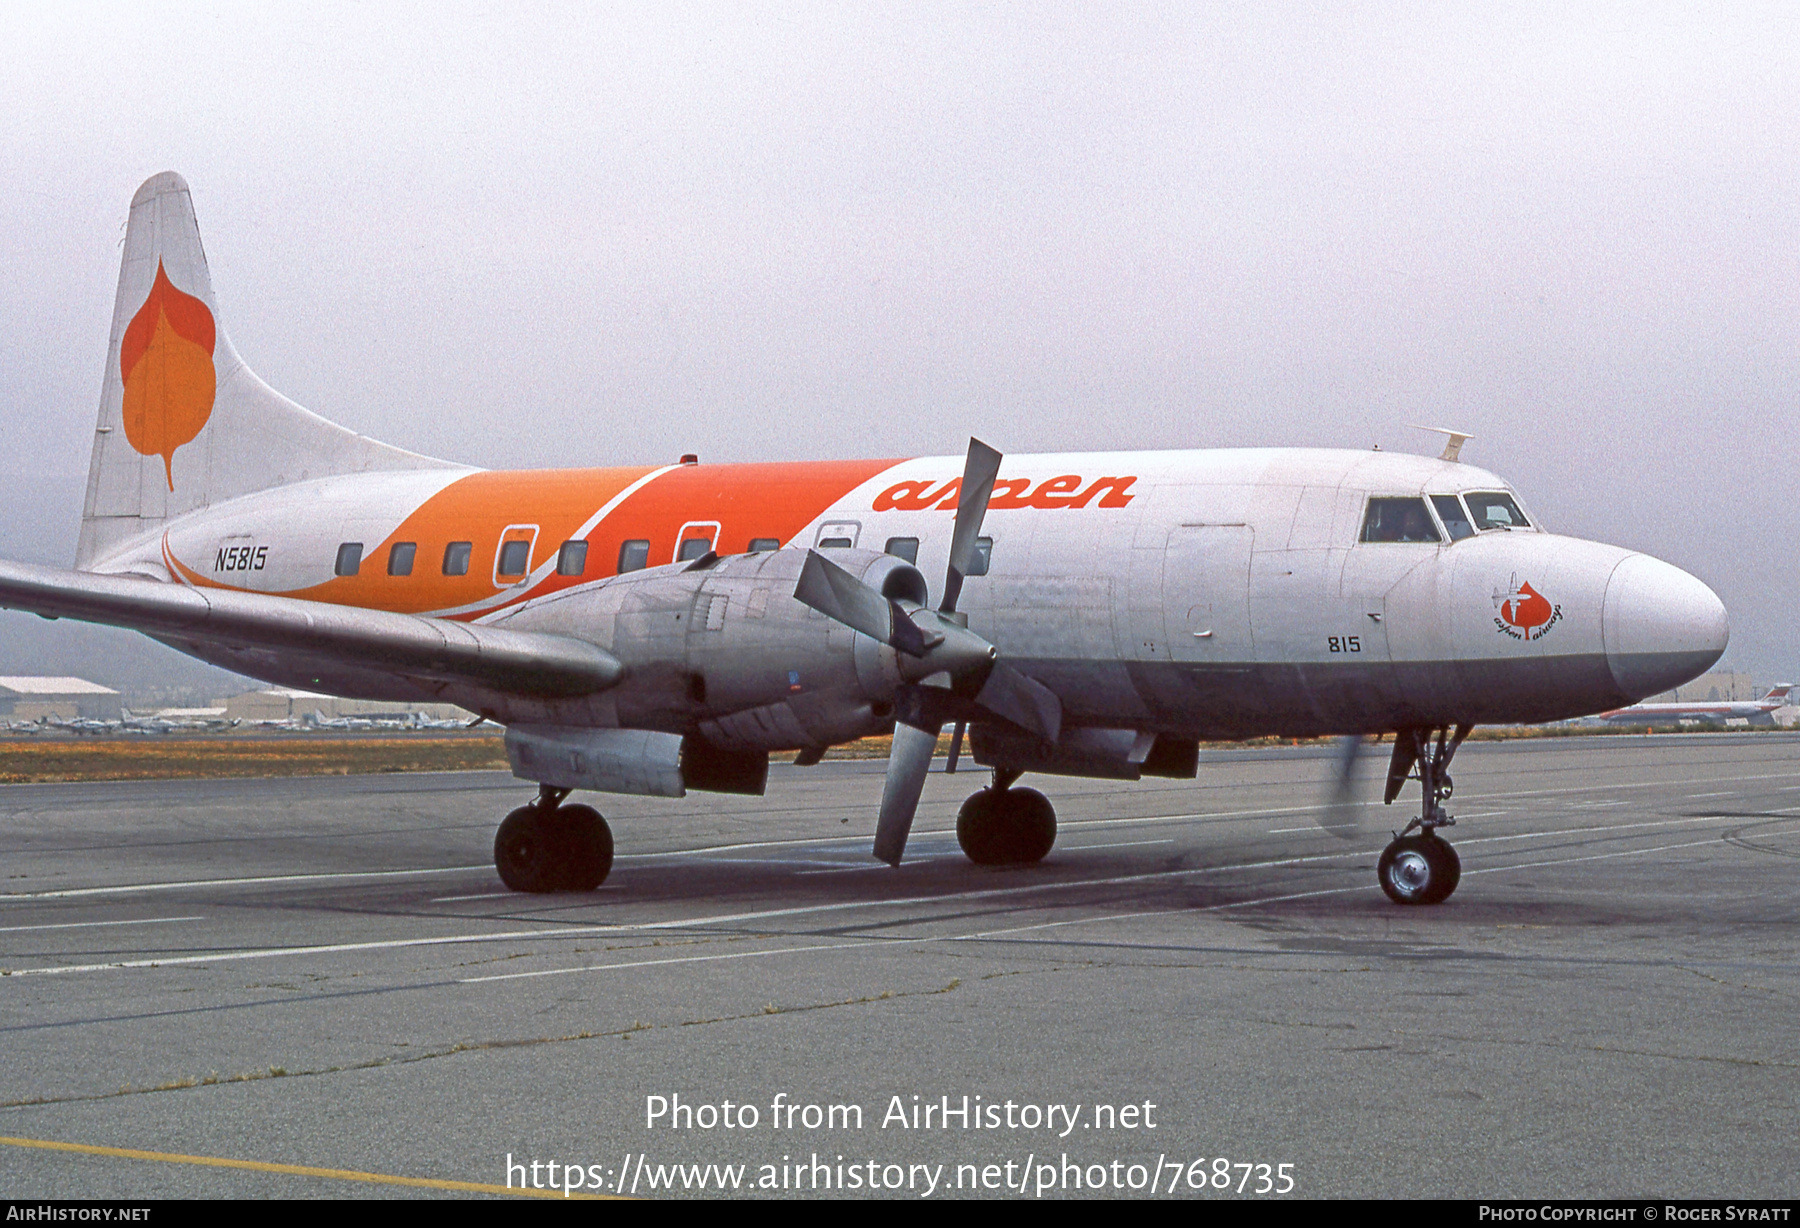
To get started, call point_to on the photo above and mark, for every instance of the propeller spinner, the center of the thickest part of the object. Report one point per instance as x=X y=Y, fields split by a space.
x=946 y=667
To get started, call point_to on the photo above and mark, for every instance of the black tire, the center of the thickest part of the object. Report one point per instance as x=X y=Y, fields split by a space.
x=1006 y=828
x=979 y=829
x=1031 y=826
x=1419 y=870
x=1452 y=866
x=526 y=852
x=587 y=847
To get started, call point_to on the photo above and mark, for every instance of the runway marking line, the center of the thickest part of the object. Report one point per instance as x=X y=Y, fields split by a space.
x=296 y=1170
x=82 y=925
x=765 y=914
x=72 y=892
x=22 y=896
x=1120 y=844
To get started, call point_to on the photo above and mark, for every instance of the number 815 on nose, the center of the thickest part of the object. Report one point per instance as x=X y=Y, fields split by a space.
x=1344 y=643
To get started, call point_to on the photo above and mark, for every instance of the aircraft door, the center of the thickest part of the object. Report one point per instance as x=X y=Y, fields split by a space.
x=1206 y=592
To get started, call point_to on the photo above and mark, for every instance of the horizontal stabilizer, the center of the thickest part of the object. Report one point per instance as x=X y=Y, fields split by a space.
x=399 y=645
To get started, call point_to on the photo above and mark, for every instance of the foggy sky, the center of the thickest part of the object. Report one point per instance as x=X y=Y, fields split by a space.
x=520 y=237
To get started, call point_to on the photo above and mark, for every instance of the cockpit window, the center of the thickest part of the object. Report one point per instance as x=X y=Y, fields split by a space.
x=1398 y=520
x=1450 y=511
x=1495 y=509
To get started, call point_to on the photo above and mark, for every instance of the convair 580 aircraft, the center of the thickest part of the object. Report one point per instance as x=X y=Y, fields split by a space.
x=662 y=628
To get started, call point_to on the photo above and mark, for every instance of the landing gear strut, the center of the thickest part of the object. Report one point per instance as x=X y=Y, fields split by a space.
x=1002 y=826
x=548 y=846
x=1422 y=868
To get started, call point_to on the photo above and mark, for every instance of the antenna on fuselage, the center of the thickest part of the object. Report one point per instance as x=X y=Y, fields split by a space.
x=1453 y=442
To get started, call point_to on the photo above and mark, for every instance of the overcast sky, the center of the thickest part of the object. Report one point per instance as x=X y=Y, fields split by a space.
x=522 y=236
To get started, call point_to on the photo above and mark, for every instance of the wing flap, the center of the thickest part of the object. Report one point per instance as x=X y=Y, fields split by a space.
x=517 y=662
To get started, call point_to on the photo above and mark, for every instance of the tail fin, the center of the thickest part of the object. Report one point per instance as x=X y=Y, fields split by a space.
x=1778 y=693
x=183 y=422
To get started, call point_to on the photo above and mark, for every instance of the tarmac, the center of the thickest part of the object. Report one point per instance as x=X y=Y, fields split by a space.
x=319 y=987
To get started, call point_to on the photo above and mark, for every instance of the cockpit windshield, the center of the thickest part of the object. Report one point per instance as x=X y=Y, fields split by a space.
x=1398 y=520
x=1450 y=511
x=1494 y=509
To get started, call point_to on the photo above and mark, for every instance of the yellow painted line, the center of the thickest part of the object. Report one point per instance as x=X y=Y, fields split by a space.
x=295 y=1170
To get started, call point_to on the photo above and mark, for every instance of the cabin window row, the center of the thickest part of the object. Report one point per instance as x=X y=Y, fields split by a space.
x=515 y=556
x=634 y=555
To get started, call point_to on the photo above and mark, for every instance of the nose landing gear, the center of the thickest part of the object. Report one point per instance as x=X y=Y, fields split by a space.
x=1002 y=825
x=1422 y=869
x=548 y=846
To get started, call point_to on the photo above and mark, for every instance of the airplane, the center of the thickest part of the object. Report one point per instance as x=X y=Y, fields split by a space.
x=1756 y=711
x=659 y=628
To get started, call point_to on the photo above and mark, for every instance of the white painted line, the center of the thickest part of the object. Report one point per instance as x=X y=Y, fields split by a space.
x=682 y=959
x=1660 y=848
x=80 y=925
x=485 y=895
x=1726 y=793
x=1584 y=831
x=393 y=944
x=853 y=905
x=71 y=893
x=1122 y=844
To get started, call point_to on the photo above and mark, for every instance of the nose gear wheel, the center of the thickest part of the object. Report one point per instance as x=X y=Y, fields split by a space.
x=1422 y=868
x=1419 y=870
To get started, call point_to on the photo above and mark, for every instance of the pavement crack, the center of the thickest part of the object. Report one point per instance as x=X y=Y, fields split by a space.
x=215 y=1079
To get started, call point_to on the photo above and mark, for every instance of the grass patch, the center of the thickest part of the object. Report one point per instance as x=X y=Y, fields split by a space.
x=41 y=761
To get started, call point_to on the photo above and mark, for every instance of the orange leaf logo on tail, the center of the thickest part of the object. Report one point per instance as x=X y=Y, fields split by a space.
x=166 y=361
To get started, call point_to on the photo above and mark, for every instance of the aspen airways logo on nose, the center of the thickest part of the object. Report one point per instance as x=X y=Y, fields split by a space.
x=1525 y=614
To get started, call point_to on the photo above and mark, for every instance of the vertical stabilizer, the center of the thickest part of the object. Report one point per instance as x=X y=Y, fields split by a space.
x=183 y=422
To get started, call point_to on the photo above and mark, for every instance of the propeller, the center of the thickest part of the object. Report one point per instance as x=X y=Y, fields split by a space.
x=1342 y=815
x=948 y=672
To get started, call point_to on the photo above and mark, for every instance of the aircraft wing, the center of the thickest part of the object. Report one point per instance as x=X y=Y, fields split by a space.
x=396 y=645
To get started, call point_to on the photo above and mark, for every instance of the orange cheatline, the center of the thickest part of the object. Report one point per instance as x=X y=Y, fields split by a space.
x=166 y=361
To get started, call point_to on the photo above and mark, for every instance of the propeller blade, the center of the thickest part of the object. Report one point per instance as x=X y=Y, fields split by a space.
x=907 y=765
x=956 y=740
x=1024 y=701
x=1342 y=816
x=979 y=471
x=835 y=593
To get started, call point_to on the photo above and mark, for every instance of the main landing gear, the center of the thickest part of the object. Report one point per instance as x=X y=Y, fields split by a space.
x=548 y=846
x=1004 y=826
x=1423 y=868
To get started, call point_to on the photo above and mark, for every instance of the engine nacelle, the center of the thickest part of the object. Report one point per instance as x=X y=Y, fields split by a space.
x=721 y=649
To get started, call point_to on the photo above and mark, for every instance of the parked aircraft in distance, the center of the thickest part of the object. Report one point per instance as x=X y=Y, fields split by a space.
x=659 y=628
x=1756 y=711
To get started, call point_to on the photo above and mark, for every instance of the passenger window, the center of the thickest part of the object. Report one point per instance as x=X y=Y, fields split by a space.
x=634 y=556
x=1450 y=511
x=571 y=560
x=984 y=556
x=758 y=545
x=1496 y=510
x=693 y=548
x=349 y=558
x=515 y=558
x=834 y=543
x=456 y=558
x=1398 y=520
x=400 y=558
x=904 y=548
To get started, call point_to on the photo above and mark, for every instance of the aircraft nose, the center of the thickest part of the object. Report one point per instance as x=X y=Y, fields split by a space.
x=1663 y=627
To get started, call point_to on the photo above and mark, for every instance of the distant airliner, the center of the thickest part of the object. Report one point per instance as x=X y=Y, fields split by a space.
x=1756 y=711
x=660 y=628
